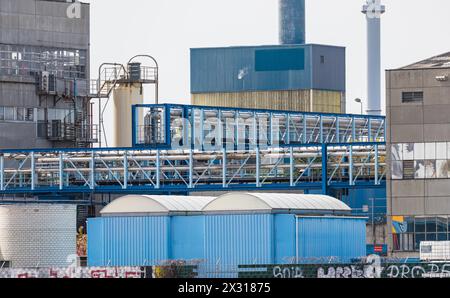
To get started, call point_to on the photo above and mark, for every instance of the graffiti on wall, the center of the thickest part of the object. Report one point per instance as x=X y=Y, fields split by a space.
x=74 y=272
x=373 y=268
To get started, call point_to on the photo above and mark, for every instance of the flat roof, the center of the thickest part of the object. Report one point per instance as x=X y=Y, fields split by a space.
x=270 y=46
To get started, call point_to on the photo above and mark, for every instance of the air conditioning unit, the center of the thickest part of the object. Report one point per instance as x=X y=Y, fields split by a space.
x=44 y=83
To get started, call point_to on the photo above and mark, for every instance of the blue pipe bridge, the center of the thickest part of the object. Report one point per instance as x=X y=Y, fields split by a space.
x=184 y=149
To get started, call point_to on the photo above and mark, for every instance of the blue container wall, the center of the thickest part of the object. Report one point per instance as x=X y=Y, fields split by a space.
x=267 y=68
x=231 y=240
x=321 y=237
x=187 y=237
x=95 y=246
x=284 y=238
x=128 y=241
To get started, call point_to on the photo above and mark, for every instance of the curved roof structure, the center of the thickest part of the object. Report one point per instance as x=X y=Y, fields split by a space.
x=271 y=202
x=228 y=203
x=138 y=204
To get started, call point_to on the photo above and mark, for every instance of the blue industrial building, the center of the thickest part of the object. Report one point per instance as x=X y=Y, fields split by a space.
x=268 y=68
x=233 y=229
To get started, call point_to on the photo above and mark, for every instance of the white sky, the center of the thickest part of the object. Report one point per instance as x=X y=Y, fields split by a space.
x=412 y=30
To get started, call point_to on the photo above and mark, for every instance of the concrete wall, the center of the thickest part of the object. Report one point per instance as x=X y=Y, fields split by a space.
x=418 y=122
x=42 y=24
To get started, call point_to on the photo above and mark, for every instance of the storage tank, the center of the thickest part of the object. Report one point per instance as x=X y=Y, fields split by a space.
x=37 y=235
x=124 y=97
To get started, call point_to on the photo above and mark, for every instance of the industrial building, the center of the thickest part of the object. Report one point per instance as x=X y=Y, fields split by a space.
x=291 y=76
x=44 y=76
x=418 y=136
x=226 y=231
x=307 y=78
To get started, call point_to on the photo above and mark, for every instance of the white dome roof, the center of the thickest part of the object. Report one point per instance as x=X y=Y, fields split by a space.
x=275 y=201
x=231 y=202
x=138 y=204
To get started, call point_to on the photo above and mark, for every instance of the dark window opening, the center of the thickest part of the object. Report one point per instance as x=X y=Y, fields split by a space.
x=412 y=97
x=322 y=59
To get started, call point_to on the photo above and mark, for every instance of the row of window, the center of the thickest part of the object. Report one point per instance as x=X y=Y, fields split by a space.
x=420 y=161
x=21 y=114
x=30 y=60
x=413 y=230
x=17 y=114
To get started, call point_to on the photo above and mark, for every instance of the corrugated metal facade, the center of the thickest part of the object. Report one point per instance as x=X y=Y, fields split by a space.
x=296 y=100
x=128 y=241
x=320 y=237
x=222 y=241
x=239 y=69
x=231 y=240
x=285 y=77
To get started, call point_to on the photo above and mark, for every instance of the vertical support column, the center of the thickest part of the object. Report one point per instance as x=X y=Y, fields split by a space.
x=376 y=165
x=33 y=171
x=255 y=131
x=134 y=127
x=291 y=166
x=350 y=168
x=191 y=169
x=2 y=172
x=324 y=169
x=369 y=128
x=219 y=143
x=236 y=130
x=125 y=170
x=158 y=170
x=224 y=168
x=353 y=130
x=271 y=143
x=258 y=162
x=92 y=170
x=288 y=129
x=61 y=170
x=321 y=129
x=305 y=129
x=202 y=129
x=338 y=132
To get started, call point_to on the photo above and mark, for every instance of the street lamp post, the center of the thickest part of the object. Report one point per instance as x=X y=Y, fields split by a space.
x=358 y=100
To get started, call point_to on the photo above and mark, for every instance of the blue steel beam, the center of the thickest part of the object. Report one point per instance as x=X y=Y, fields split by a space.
x=126 y=171
x=361 y=126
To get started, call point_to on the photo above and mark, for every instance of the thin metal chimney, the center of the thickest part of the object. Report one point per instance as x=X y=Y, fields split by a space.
x=292 y=22
x=373 y=11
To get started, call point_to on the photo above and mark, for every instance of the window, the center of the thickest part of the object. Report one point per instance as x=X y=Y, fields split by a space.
x=10 y=114
x=29 y=116
x=322 y=59
x=20 y=114
x=412 y=97
x=2 y=114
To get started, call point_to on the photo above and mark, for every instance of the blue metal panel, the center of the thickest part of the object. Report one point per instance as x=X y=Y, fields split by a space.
x=284 y=237
x=231 y=240
x=328 y=68
x=233 y=69
x=373 y=198
x=279 y=59
x=95 y=242
x=187 y=237
x=320 y=237
x=131 y=241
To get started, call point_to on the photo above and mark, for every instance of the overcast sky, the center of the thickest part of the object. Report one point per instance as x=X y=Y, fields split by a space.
x=412 y=30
